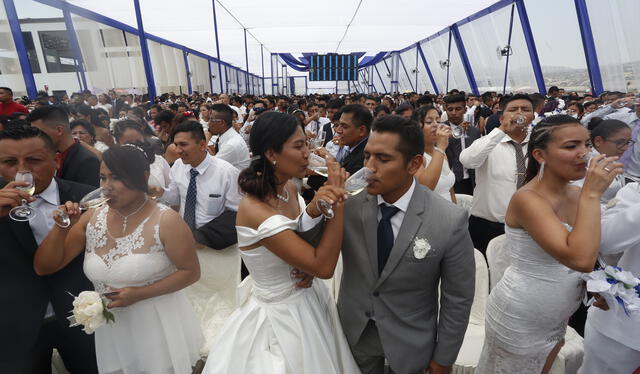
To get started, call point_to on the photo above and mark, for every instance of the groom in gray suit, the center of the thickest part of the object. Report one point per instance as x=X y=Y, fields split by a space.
x=403 y=244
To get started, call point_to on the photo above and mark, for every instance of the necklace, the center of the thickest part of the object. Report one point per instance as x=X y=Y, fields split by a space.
x=284 y=198
x=124 y=218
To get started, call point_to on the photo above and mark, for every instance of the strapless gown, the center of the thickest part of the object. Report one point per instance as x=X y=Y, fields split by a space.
x=528 y=310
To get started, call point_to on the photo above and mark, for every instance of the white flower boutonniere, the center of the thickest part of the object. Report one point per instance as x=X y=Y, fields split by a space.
x=420 y=248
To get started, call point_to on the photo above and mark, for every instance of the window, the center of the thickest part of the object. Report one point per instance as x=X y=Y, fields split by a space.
x=31 y=51
x=58 y=55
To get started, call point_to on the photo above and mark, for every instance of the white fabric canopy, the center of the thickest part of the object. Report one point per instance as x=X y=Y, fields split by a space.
x=341 y=26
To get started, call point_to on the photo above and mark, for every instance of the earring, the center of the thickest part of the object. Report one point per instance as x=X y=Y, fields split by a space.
x=274 y=163
x=541 y=171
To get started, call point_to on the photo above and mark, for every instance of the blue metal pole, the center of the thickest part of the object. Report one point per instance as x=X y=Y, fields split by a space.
x=274 y=81
x=210 y=76
x=589 y=46
x=465 y=59
x=384 y=87
x=238 y=81
x=448 y=62
x=73 y=39
x=246 y=57
x=506 y=64
x=144 y=50
x=186 y=67
x=426 y=65
x=417 y=44
x=262 y=59
x=406 y=72
x=531 y=46
x=306 y=86
x=215 y=29
x=23 y=57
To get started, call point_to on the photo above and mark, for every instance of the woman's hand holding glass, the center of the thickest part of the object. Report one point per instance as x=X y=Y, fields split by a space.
x=332 y=194
x=601 y=171
x=67 y=215
x=443 y=133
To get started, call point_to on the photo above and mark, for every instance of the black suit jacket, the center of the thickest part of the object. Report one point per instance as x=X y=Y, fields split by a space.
x=328 y=133
x=24 y=295
x=81 y=166
x=354 y=161
x=455 y=148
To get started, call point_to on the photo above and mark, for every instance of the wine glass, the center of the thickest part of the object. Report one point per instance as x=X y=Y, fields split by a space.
x=356 y=183
x=24 y=212
x=318 y=140
x=318 y=164
x=457 y=132
x=93 y=199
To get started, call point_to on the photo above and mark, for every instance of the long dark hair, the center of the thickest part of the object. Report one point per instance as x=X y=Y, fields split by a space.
x=129 y=162
x=540 y=137
x=270 y=131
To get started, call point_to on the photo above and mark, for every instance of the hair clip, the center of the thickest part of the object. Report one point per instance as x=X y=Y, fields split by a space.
x=136 y=147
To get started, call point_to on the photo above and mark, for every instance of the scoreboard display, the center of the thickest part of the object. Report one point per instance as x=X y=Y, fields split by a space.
x=333 y=67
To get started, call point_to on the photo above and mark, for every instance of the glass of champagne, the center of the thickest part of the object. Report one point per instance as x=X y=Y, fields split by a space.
x=93 y=199
x=24 y=212
x=318 y=164
x=354 y=185
x=318 y=141
x=457 y=132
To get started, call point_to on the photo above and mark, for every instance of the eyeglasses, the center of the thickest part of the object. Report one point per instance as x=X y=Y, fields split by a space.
x=79 y=133
x=620 y=144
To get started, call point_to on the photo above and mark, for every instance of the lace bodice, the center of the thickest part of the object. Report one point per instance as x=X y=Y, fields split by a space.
x=136 y=259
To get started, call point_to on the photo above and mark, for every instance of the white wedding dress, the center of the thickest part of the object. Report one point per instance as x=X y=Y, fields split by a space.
x=159 y=335
x=528 y=310
x=279 y=328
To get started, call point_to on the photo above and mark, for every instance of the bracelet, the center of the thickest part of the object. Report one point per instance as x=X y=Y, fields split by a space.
x=439 y=150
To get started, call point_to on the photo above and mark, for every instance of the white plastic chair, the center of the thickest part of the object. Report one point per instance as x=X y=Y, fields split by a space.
x=464 y=201
x=333 y=283
x=213 y=296
x=469 y=354
x=570 y=356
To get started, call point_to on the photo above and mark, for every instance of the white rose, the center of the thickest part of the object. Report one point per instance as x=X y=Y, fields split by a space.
x=93 y=309
x=626 y=277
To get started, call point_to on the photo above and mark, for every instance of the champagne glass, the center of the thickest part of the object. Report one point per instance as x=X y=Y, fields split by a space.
x=318 y=164
x=93 y=199
x=318 y=141
x=354 y=185
x=457 y=132
x=24 y=212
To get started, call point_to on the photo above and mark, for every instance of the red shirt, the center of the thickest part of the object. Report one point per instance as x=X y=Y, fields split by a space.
x=63 y=157
x=7 y=109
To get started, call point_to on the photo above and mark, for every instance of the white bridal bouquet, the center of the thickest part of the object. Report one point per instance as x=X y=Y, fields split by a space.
x=90 y=311
x=618 y=287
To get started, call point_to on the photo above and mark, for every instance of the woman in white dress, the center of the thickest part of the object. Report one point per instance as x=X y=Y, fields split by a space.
x=553 y=230
x=280 y=327
x=436 y=174
x=609 y=137
x=140 y=255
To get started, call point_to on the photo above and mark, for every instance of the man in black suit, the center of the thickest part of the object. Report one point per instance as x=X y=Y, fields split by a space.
x=455 y=107
x=353 y=129
x=75 y=162
x=35 y=307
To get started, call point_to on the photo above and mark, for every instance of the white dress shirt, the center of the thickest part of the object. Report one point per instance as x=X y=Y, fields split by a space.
x=217 y=188
x=494 y=160
x=402 y=204
x=46 y=202
x=315 y=126
x=619 y=234
x=245 y=132
x=232 y=148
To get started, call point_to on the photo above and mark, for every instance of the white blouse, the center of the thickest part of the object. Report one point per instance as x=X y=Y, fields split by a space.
x=446 y=181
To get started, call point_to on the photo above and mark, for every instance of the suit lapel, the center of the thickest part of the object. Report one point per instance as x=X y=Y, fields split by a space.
x=369 y=215
x=410 y=225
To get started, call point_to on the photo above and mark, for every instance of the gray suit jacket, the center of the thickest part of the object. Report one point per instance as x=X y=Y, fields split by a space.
x=403 y=300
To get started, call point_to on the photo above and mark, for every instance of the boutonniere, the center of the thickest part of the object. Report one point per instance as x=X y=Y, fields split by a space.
x=420 y=248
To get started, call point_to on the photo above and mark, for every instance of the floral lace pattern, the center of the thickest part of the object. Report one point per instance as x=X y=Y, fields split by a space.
x=111 y=249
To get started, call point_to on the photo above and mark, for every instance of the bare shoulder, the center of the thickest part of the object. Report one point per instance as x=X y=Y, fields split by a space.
x=252 y=212
x=526 y=202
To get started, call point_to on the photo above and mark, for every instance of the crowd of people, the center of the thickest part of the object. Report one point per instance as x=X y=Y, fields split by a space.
x=215 y=230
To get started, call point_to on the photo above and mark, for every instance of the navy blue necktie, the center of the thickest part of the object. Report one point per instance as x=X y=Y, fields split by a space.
x=385 y=235
x=190 y=201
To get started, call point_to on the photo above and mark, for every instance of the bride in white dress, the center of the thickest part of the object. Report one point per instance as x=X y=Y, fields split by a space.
x=554 y=233
x=281 y=327
x=140 y=255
